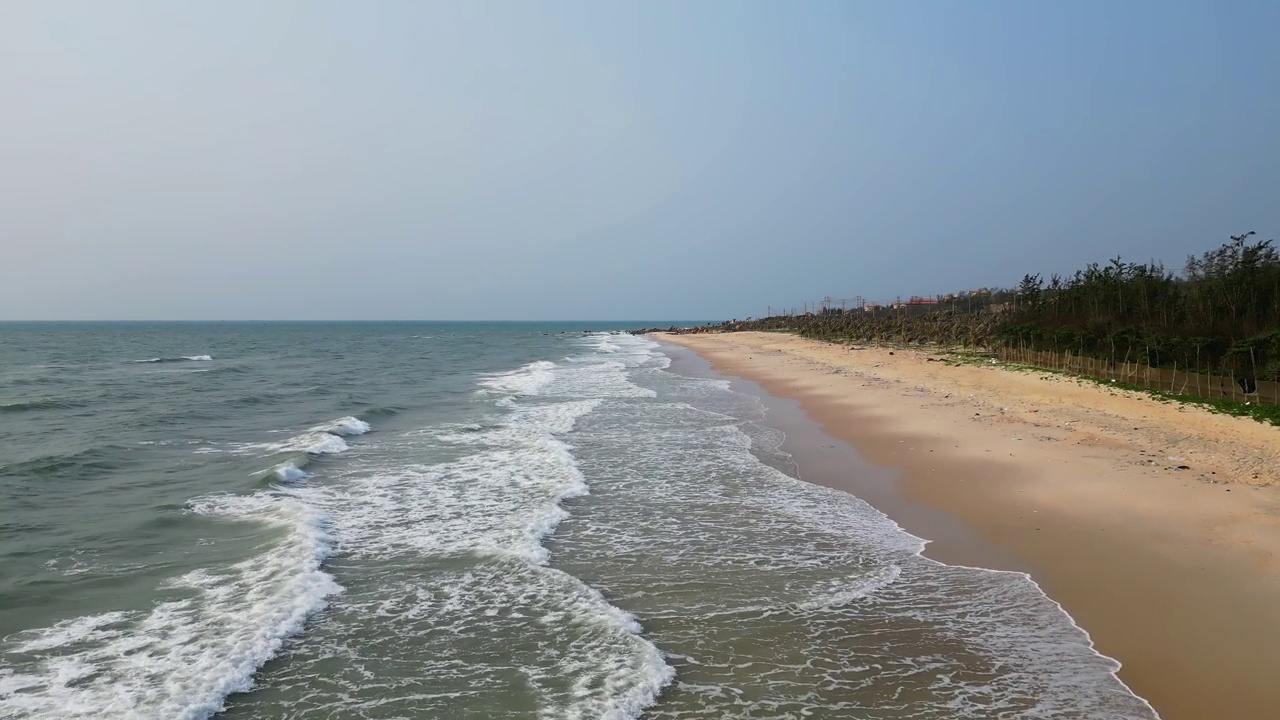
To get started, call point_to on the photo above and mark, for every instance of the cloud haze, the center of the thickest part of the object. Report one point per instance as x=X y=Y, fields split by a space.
x=512 y=160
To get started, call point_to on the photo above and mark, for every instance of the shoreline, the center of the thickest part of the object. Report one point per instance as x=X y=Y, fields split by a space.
x=1172 y=572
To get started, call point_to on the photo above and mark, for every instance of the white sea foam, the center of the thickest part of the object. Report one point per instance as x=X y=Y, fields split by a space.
x=321 y=440
x=595 y=380
x=527 y=380
x=490 y=507
x=318 y=443
x=181 y=658
x=345 y=426
x=616 y=680
x=588 y=660
x=502 y=499
x=779 y=552
x=314 y=442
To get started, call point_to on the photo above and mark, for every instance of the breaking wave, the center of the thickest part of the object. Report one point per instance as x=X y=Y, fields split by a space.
x=180 y=358
x=183 y=657
x=344 y=426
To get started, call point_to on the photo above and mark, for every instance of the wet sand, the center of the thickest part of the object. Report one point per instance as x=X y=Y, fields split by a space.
x=1155 y=525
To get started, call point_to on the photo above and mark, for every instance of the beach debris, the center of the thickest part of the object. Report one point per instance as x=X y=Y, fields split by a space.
x=1183 y=467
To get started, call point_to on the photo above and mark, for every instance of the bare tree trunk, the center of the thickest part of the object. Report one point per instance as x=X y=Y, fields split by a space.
x=1198 y=393
x=1253 y=364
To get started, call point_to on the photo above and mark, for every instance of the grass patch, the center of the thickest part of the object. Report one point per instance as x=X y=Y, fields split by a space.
x=1261 y=412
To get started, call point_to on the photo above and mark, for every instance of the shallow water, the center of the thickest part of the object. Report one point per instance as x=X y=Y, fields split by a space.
x=465 y=521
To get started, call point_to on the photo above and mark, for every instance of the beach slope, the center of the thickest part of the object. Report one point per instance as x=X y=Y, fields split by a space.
x=1155 y=524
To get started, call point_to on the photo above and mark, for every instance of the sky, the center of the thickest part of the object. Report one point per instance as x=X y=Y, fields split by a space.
x=609 y=160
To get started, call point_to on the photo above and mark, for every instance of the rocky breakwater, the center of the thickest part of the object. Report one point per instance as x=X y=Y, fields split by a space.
x=674 y=330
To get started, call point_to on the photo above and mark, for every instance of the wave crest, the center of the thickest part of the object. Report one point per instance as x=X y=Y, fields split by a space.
x=46 y=404
x=183 y=657
x=180 y=358
x=344 y=426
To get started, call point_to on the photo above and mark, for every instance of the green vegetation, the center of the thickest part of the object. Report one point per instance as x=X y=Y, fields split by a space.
x=1259 y=411
x=1221 y=316
x=1209 y=334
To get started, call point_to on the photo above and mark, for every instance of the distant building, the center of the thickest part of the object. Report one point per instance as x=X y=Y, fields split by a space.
x=915 y=302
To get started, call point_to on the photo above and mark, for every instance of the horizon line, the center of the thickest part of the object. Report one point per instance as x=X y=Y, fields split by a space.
x=364 y=320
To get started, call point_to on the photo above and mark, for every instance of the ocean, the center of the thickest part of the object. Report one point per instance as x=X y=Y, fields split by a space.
x=466 y=520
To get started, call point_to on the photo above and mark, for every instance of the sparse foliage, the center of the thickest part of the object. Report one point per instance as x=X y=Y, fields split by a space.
x=1220 y=316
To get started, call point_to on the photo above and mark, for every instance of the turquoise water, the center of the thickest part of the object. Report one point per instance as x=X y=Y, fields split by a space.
x=465 y=521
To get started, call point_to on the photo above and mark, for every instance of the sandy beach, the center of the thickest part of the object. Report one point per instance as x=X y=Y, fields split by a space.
x=1155 y=525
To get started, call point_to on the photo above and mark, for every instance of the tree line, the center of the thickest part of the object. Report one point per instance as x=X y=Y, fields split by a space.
x=1219 y=315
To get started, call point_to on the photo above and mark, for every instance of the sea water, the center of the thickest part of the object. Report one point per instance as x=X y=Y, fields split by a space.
x=428 y=520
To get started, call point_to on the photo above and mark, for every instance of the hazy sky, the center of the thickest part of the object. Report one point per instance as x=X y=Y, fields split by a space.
x=554 y=160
